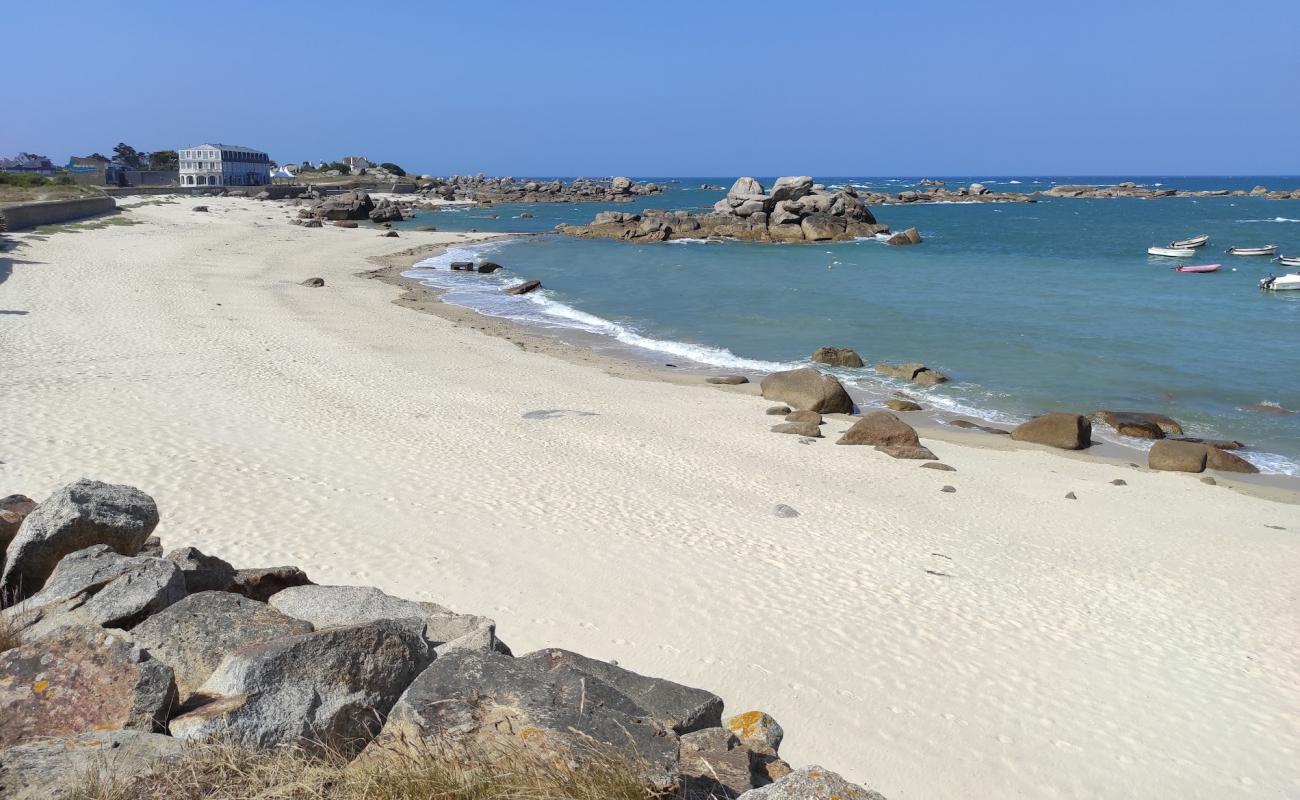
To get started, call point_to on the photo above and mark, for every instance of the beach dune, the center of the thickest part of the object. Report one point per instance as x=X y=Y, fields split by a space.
x=996 y=641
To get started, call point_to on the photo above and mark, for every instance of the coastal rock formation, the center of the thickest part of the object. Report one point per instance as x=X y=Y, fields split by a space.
x=341 y=667
x=796 y=210
x=809 y=429
x=1141 y=424
x=888 y=434
x=837 y=357
x=1060 y=430
x=13 y=510
x=347 y=206
x=75 y=517
x=524 y=288
x=807 y=389
x=903 y=238
x=386 y=211
x=915 y=372
x=486 y=190
x=812 y=783
x=1182 y=456
x=81 y=679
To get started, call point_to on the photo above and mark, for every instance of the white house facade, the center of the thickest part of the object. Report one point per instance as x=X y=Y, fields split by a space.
x=224 y=165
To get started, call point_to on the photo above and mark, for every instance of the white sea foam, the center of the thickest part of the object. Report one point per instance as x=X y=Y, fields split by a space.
x=1274 y=219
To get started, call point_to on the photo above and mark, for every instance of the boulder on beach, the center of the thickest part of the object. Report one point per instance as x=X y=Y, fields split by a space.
x=81 y=678
x=809 y=429
x=812 y=783
x=1175 y=456
x=73 y=518
x=807 y=389
x=888 y=434
x=53 y=768
x=778 y=411
x=804 y=416
x=837 y=357
x=898 y=404
x=346 y=206
x=524 y=288
x=728 y=380
x=1061 y=430
x=13 y=510
x=313 y=283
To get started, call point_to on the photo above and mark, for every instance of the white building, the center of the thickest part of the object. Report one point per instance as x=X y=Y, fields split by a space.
x=224 y=165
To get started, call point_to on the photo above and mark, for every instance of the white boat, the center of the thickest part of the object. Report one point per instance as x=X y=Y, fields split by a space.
x=1171 y=252
x=1288 y=261
x=1281 y=283
x=1195 y=241
x=1266 y=250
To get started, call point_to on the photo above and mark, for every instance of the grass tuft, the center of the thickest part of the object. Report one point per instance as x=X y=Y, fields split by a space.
x=429 y=771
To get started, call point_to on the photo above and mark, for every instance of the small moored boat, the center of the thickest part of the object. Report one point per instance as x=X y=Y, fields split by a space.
x=1279 y=283
x=1195 y=241
x=1171 y=252
x=1266 y=250
x=1198 y=267
x=1288 y=261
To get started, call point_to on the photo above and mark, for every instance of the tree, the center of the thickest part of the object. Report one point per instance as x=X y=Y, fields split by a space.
x=127 y=154
x=393 y=168
x=99 y=157
x=164 y=160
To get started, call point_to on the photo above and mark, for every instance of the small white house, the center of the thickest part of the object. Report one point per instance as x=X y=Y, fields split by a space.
x=224 y=165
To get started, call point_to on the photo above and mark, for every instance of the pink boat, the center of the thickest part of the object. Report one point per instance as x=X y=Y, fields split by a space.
x=1198 y=268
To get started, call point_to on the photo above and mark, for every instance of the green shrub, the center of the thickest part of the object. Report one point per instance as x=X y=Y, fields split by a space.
x=393 y=168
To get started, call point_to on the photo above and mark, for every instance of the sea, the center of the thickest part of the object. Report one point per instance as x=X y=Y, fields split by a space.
x=1029 y=308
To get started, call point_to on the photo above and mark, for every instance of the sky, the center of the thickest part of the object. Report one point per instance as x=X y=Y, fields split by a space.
x=937 y=87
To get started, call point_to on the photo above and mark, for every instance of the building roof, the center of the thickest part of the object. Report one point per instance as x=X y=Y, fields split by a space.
x=219 y=146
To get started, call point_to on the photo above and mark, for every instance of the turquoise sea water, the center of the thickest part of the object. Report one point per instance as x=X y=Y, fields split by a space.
x=1028 y=307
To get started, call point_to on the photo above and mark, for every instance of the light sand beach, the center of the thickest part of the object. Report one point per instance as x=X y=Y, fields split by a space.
x=999 y=641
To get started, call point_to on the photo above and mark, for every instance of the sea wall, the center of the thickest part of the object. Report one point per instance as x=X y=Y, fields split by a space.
x=30 y=215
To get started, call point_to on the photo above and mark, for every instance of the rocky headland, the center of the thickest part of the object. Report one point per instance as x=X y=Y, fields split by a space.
x=794 y=210
x=936 y=191
x=486 y=190
x=117 y=656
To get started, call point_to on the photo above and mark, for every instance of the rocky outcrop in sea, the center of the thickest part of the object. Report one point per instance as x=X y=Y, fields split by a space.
x=111 y=647
x=480 y=189
x=794 y=210
x=937 y=192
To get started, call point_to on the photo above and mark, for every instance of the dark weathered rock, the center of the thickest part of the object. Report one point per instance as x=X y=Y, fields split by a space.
x=81 y=679
x=808 y=389
x=714 y=765
x=888 y=434
x=386 y=211
x=1060 y=430
x=777 y=411
x=1071 y=496
x=344 y=223
x=524 y=288
x=97 y=586
x=202 y=572
x=949 y=489
x=915 y=372
x=808 y=429
x=314 y=283
x=479 y=699
x=488 y=267
x=728 y=380
x=331 y=687
x=200 y=209
x=75 y=517
x=311 y=223
x=347 y=206
x=837 y=357
x=1175 y=456
x=756 y=729
x=194 y=634
x=260 y=583
x=812 y=783
x=939 y=466
x=461 y=266
x=54 y=768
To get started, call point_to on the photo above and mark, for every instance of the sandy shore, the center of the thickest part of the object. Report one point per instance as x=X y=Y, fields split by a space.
x=1000 y=641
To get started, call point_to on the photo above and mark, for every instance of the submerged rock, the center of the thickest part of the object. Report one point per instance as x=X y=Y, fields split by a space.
x=524 y=288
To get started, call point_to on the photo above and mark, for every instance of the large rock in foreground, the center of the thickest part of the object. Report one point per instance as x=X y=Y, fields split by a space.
x=1060 y=430
x=57 y=767
x=1170 y=455
x=349 y=205
x=807 y=389
x=485 y=700
x=195 y=634
x=331 y=687
x=888 y=434
x=81 y=679
x=75 y=517
x=812 y=783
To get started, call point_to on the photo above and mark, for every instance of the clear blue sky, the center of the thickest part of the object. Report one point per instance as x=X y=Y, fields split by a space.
x=954 y=87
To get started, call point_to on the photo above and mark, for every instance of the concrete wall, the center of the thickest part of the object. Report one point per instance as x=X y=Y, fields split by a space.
x=29 y=215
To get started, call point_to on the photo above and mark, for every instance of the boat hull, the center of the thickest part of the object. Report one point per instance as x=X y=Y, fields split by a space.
x=1288 y=261
x=1171 y=252
x=1281 y=283
x=1198 y=268
x=1195 y=241
x=1267 y=250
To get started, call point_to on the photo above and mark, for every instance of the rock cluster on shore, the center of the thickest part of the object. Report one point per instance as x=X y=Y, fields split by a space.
x=480 y=189
x=111 y=644
x=936 y=192
x=794 y=210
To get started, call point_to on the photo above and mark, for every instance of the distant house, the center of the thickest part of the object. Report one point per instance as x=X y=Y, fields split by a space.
x=224 y=165
x=29 y=163
x=355 y=163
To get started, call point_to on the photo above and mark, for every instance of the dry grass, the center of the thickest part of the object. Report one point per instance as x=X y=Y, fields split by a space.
x=428 y=772
x=30 y=194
